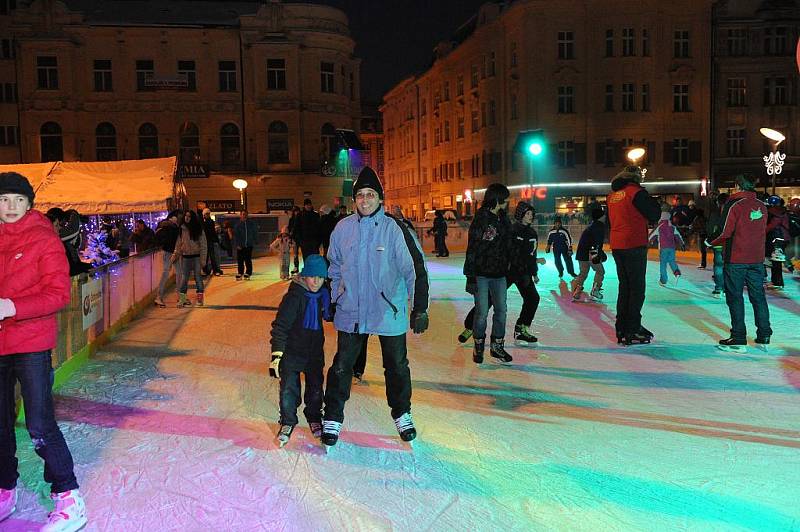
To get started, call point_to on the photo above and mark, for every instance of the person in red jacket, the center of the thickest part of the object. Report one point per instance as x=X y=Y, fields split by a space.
x=34 y=286
x=744 y=232
x=630 y=208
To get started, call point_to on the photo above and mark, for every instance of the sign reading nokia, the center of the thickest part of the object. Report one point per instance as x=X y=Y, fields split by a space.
x=192 y=170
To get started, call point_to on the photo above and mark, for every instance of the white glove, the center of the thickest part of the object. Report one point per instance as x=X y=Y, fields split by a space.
x=7 y=309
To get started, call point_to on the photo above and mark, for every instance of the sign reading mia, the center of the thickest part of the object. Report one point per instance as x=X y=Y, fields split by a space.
x=192 y=170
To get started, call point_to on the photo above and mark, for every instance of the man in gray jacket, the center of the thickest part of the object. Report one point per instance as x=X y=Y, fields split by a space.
x=376 y=266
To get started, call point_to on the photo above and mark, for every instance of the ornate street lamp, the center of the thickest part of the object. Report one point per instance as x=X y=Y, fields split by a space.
x=241 y=185
x=775 y=159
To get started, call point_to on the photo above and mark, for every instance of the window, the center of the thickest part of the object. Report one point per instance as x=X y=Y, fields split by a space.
x=148 y=141
x=628 y=43
x=329 y=144
x=227 y=76
x=8 y=92
x=189 y=150
x=737 y=42
x=7 y=50
x=566 y=45
x=187 y=70
x=609 y=153
x=514 y=106
x=342 y=77
x=6 y=6
x=276 y=75
x=326 y=78
x=609 y=106
x=483 y=114
x=566 y=99
x=776 y=91
x=446 y=131
x=446 y=91
x=492 y=112
x=609 y=43
x=474 y=124
x=460 y=127
x=646 y=97
x=423 y=107
x=47 y=72
x=423 y=141
x=460 y=85
x=144 y=71
x=680 y=44
x=51 y=142
x=492 y=67
x=352 y=86
x=278 y=142
x=473 y=77
x=735 y=141
x=628 y=97
x=680 y=152
x=102 y=75
x=737 y=92
x=9 y=136
x=645 y=43
x=775 y=41
x=680 y=98
x=229 y=145
x=513 y=54
x=566 y=154
x=105 y=142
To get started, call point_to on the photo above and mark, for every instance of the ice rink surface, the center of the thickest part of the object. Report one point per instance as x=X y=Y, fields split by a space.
x=172 y=425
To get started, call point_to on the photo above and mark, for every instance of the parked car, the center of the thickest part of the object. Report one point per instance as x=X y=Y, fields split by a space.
x=449 y=215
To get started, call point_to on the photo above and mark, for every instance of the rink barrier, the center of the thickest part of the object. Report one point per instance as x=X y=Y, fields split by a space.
x=129 y=286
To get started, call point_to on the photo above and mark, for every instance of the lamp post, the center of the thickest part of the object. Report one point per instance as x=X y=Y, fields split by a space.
x=775 y=159
x=241 y=185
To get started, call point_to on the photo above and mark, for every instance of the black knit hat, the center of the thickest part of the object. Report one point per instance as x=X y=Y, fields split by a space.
x=597 y=213
x=14 y=183
x=522 y=209
x=368 y=179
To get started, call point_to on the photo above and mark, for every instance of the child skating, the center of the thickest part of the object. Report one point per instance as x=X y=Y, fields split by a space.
x=297 y=347
x=560 y=241
x=283 y=246
x=668 y=239
x=590 y=254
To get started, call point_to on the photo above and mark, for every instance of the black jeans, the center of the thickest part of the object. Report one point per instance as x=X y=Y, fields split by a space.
x=631 y=270
x=34 y=373
x=290 y=394
x=737 y=276
x=564 y=254
x=309 y=247
x=361 y=361
x=530 y=303
x=244 y=260
x=441 y=245
x=396 y=373
x=703 y=249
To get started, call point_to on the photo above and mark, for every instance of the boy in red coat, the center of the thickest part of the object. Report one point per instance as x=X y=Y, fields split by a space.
x=34 y=286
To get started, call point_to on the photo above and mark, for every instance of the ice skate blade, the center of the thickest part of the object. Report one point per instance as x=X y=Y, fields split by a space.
x=733 y=348
x=282 y=443
x=525 y=343
x=763 y=347
x=501 y=362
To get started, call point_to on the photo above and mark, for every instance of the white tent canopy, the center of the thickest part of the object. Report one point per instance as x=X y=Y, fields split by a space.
x=101 y=187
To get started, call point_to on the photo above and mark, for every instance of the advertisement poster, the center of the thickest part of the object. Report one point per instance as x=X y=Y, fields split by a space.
x=92 y=303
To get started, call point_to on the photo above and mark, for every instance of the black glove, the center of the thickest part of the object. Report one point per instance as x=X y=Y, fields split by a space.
x=472 y=286
x=331 y=313
x=419 y=321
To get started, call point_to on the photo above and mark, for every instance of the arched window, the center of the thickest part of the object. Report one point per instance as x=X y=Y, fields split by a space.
x=278 y=139
x=329 y=144
x=105 y=142
x=51 y=142
x=189 y=143
x=229 y=142
x=148 y=141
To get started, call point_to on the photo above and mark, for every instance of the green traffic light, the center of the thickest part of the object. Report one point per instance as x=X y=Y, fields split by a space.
x=535 y=148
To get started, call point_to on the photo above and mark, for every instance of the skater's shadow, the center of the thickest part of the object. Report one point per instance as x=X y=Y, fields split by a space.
x=593 y=313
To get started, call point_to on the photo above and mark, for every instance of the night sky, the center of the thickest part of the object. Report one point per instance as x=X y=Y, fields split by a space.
x=395 y=38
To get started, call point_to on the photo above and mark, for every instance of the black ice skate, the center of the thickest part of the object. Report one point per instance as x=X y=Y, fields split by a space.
x=636 y=339
x=405 y=427
x=284 y=434
x=465 y=335
x=645 y=332
x=523 y=335
x=477 y=350
x=498 y=351
x=330 y=432
x=762 y=343
x=733 y=345
x=316 y=428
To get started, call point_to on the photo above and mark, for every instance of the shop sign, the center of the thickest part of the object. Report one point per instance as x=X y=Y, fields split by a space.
x=222 y=205
x=539 y=193
x=286 y=204
x=192 y=170
x=92 y=302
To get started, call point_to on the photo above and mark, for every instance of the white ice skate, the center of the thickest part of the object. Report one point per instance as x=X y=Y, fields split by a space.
x=69 y=515
x=8 y=502
x=596 y=293
x=330 y=433
x=284 y=434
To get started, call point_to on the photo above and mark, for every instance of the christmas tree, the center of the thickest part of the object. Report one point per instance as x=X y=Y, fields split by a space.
x=97 y=251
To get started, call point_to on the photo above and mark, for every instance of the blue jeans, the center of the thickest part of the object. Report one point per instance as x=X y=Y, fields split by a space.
x=187 y=265
x=737 y=276
x=497 y=288
x=166 y=264
x=719 y=262
x=33 y=371
x=667 y=256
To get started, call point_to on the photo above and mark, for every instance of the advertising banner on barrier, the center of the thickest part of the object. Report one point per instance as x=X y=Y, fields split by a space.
x=92 y=302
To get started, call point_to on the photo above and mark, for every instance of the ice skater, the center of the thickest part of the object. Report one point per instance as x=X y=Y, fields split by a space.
x=560 y=241
x=297 y=346
x=590 y=254
x=713 y=230
x=191 y=251
x=523 y=269
x=283 y=246
x=668 y=240
x=376 y=266
x=34 y=286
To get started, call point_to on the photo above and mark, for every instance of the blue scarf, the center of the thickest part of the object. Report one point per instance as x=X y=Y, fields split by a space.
x=311 y=317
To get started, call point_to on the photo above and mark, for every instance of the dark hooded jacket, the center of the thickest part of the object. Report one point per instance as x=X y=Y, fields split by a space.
x=488 y=245
x=523 y=247
x=301 y=347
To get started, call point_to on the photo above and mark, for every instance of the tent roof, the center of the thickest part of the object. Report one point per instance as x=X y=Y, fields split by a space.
x=101 y=187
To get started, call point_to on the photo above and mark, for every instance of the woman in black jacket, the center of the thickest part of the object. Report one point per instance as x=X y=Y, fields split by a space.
x=524 y=269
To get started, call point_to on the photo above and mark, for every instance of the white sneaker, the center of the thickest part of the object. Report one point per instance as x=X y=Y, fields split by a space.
x=8 y=502
x=69 y=515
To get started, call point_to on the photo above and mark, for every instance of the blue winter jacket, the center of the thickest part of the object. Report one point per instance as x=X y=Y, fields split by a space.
x=246 y=233
x=376 y=266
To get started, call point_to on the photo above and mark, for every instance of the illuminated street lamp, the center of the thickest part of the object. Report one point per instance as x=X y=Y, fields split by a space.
x=635 y=154
x=241 y=185
x=775 y=159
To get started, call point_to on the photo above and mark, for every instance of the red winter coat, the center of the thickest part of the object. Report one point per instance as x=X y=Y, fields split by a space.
x=34 y=274
x=745 y=229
